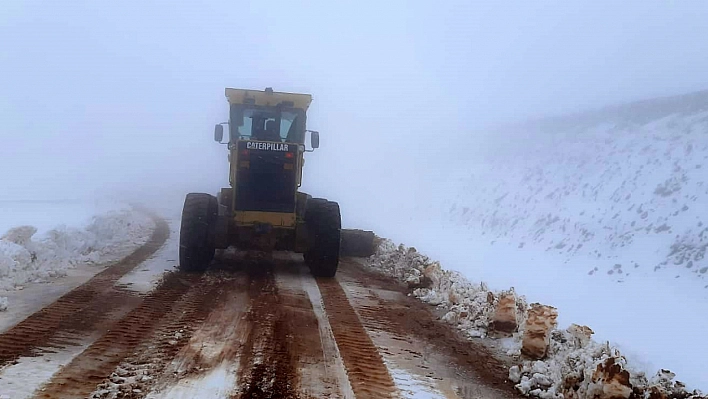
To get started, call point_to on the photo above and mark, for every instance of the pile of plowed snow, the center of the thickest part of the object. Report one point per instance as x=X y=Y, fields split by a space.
x=26 y=258
x=574 y=365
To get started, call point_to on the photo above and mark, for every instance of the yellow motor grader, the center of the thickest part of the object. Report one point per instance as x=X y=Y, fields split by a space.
x=263 y=209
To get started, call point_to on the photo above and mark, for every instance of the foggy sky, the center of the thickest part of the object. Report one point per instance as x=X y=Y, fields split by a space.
x=102 y=97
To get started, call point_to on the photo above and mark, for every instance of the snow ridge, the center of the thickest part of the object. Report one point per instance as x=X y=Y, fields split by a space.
x=25 y=258
x=574 y=365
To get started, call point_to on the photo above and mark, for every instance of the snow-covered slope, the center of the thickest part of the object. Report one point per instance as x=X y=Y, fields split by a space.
x=629 y=191
x=602 y=215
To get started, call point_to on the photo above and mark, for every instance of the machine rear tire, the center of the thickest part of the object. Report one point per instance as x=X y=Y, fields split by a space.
x=324 y=226
x=197 y=232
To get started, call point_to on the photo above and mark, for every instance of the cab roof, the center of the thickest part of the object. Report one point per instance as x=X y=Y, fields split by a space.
x=268 y=98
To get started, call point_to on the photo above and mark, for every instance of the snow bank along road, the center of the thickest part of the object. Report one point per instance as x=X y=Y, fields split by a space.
x=250 y=327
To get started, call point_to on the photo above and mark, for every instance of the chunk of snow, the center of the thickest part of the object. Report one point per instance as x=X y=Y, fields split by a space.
x=450 y=317
x=515 y=374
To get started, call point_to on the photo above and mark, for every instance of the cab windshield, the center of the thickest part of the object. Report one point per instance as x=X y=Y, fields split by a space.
x=267 y=123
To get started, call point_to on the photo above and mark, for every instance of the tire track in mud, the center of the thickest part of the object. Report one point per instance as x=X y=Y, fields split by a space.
x=81 y=310
x=90 y=368
x=137 y=374
x=418 y=335
x=367 y=372
x=320 y=372
x=212 y=350
x=267 y=369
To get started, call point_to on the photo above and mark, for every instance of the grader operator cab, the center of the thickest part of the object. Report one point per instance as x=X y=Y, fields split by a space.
x=263 y=209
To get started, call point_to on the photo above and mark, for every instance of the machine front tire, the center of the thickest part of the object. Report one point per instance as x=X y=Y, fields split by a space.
x=324 y=226
x=197 y=232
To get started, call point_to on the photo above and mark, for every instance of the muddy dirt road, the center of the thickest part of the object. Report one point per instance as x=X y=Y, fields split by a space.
x=250 y=327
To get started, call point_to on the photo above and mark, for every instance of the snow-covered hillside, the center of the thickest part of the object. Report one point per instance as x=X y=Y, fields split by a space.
x=601 y=214
x=626 y=186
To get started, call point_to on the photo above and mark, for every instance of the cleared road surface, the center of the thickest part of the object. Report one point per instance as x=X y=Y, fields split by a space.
x=252 y=326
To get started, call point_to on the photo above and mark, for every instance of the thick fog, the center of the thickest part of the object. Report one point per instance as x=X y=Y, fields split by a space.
x=120 y=98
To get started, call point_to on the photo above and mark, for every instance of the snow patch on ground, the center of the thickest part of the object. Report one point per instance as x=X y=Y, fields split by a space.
x=27 y=258
x=413 y=387
x=575 y=366
x=216 y=383
x=21 y=379
x=148 y=275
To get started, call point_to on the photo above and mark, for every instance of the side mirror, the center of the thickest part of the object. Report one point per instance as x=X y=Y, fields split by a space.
x=315 y=139
x=218 y=133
